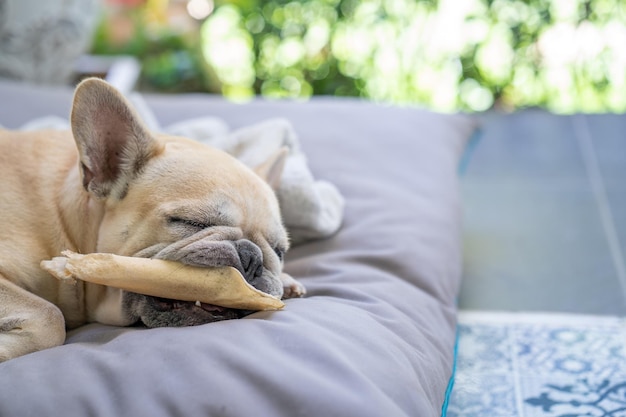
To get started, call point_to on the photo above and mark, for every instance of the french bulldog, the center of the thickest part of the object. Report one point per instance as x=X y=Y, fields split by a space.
x=110 y=185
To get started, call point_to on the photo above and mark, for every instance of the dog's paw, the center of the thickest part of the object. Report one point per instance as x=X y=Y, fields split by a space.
x=291 y=287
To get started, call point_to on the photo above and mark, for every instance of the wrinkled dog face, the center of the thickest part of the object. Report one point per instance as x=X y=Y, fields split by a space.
x=175 y=199
x=213 y=212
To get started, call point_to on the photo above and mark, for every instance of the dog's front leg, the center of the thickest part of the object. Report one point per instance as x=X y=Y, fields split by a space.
x=291 y=287
x=27 y=323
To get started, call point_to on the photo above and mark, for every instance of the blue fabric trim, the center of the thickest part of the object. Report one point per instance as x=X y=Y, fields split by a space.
x=446 y=400
x=472 y=144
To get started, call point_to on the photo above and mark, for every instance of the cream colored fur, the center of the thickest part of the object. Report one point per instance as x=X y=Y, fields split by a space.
x=112 y=186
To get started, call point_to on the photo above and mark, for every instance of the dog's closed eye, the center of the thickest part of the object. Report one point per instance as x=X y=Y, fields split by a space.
x=187 y=222
x=280 y=252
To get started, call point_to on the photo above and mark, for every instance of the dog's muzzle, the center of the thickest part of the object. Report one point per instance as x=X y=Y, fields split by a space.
x=241 y=254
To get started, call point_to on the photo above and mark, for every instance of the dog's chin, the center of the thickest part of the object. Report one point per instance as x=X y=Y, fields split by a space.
x=164 y=312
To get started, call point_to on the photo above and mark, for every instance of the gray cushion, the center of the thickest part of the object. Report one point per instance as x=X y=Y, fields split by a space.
x=375 y=335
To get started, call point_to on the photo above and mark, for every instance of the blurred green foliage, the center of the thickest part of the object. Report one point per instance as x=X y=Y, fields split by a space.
x=172 y=61
x=563 y=55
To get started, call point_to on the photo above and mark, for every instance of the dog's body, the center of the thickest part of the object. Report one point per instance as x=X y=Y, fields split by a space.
x=129 y=192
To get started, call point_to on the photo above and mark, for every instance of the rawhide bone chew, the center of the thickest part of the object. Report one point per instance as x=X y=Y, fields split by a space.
x=223 y=286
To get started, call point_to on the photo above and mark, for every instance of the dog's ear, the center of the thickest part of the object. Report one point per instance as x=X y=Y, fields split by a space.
x=113 y=144
x=272 y=169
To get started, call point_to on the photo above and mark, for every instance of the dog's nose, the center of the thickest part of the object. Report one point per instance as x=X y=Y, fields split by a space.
x=251 y=259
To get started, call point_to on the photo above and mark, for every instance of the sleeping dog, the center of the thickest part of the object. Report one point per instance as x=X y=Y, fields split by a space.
x=112 y=186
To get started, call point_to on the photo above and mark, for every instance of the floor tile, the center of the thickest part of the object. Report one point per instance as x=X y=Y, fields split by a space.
x=534 y=238
x=559 y=366
x=607 y=134
x=488 y=395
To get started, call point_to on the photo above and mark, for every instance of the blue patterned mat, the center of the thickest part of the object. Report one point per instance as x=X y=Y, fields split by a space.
x=539 y=365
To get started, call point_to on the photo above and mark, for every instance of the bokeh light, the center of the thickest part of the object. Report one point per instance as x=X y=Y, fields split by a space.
x=448 y=55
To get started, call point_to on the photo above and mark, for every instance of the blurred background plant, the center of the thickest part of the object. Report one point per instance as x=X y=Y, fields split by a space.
x=448 y=55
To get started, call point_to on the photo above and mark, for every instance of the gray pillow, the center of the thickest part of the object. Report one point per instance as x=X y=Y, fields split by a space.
x=375 y=335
